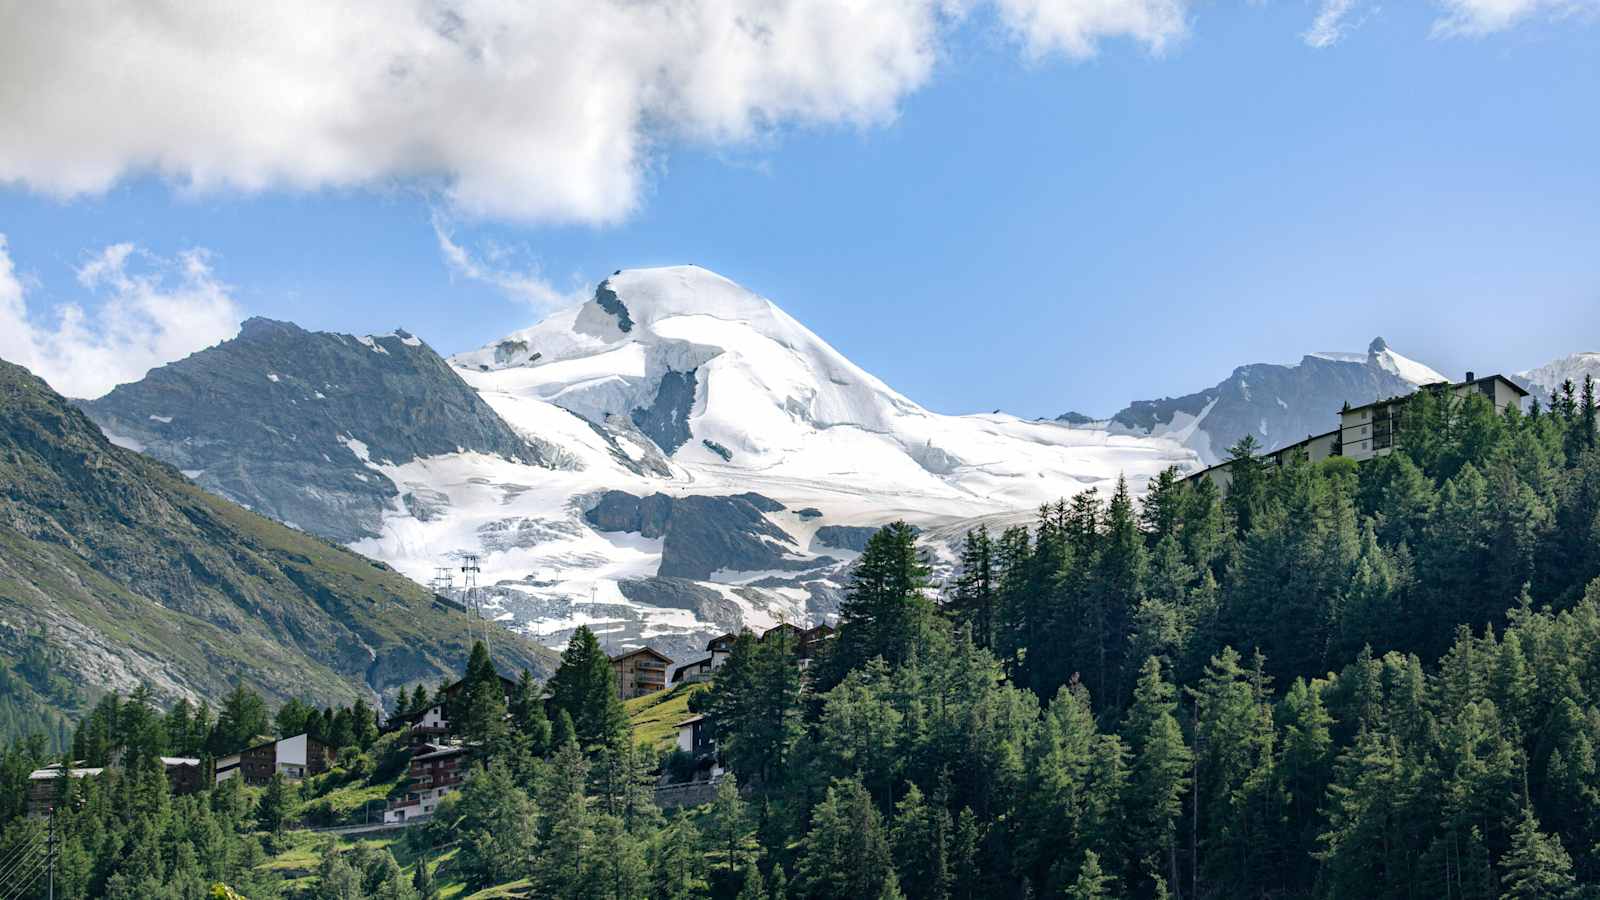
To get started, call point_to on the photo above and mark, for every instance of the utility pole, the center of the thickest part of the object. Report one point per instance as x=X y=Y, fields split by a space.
x=50 y=855
x=469 y=574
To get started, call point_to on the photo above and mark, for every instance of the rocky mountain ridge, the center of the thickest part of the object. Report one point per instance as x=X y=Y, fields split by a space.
x=131 y=573
x=289 y=422
x=1277 y=404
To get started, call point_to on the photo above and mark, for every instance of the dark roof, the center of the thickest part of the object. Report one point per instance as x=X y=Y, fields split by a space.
x=678 y=673
x=441 y=753
x=1443 y=385
x=1309 y=439
x=642 y=650
x=452 y=687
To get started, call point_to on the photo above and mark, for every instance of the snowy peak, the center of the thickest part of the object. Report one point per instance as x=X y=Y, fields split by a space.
x=1547 y=379
x=1417 y=374
x=1276 y=404
x=686 y=353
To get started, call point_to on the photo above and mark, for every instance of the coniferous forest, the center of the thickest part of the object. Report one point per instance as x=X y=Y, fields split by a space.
x=1339 y=680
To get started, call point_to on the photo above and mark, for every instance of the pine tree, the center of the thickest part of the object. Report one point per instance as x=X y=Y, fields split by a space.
x=1118 y=586
x=1586 y=419
x=730 y=828
x=616 y=869
x=496 y=823
x=678 y=864
x=780 y=884
x=886 y=611
x=273 y=810
x=1247 y=485
x=1160 y=771
x=1091 y=883
x=846 y=853
x=974 y=601
x=585 y=687
x=365 y=720
x=1537 y=865
x=243 y=718
x=965 y=868
x=565 y=825
x=528 y=714
x=754 y=886
x=921 y=842
x=422 y=880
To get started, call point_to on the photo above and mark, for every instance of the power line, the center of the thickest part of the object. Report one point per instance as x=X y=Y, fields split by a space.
x=18 y=882
x=10 y=865
x=17 y=853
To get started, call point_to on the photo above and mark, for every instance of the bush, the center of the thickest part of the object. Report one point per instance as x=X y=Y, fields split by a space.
x=679 y=766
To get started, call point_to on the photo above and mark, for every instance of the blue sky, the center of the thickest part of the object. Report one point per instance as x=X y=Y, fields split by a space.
x=1015 y=228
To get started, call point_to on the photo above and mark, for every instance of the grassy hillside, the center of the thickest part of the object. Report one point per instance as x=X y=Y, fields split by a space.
x=124 y=571
x=655 y=717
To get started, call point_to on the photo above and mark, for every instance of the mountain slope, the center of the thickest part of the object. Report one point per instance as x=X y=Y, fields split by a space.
x=133 y=573
x=286 y=421
x=703 y=462
x=1276 y=404
x=1545 y=381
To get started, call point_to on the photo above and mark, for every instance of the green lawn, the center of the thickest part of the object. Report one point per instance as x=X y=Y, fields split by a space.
x=346 y=805
x=655 y=717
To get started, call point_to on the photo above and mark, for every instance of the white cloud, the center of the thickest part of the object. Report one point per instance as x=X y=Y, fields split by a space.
x=1331 y=24
x=551 y=111
x=525 y=283
x=1076 y=27
x=1475 y=18
x=138 y=321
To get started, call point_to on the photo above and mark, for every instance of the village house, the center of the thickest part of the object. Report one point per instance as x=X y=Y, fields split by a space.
x=808 y=643
x=694 y=738
x=295 y=758
x=44 y=787
x=185 y=775
x=640 y=672
x=432 y=723
x=1371 y=430
x=694 y=672
x=437 y=770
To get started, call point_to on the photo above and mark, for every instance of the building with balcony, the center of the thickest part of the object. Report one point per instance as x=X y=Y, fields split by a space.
x=640 y=672
x=294 y=758
x=1370 y=430
x=436 y=771
x=1373 y=429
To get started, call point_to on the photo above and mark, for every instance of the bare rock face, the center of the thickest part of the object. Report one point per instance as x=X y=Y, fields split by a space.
x=1276 y=404
x=701 y=535
x=291 y=423
x=126 y=572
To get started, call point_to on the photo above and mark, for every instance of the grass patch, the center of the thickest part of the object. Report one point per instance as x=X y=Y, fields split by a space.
x=346 y=805
x=655 y=717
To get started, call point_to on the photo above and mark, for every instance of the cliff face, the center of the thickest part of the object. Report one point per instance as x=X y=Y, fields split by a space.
x=133 y=573
x=287 y=421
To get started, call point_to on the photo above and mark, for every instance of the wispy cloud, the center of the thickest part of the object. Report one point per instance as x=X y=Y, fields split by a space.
x=1331 y=24
x=1476 y=18
x=144 y=311
x=495 y=267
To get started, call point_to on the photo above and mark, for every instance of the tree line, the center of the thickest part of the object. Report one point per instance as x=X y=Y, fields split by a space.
x=1338 y=680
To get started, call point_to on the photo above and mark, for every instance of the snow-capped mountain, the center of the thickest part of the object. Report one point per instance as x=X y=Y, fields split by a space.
x=1547 y=379
x=688 y=459
x=1277 y=404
